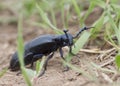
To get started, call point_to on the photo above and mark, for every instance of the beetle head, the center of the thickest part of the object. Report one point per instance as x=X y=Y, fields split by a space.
x=14 y=63
x=67 y=39
x=64 y=40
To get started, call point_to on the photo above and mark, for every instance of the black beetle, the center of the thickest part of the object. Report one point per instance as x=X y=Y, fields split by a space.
x=44 y=45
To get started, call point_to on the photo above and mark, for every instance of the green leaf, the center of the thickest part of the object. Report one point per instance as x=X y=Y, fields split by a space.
x=117 y=61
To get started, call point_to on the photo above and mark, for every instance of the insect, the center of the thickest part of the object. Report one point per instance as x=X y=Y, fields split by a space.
x=44 y=45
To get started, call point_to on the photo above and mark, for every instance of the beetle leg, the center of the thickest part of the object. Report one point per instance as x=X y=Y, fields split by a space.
x=45 y=64
x=49 y=57
x=18 y=73
x=27 y=58
x=70 y=51
x=61 y=53
x=35 y=58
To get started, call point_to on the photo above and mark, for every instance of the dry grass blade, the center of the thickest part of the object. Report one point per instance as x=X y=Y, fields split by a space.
x=103 y=69
x=107 y=78
x=97 y=51
x=106 y=53
x=108 y=62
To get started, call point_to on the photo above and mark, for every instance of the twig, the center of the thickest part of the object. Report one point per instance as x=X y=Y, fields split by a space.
x=108 y=62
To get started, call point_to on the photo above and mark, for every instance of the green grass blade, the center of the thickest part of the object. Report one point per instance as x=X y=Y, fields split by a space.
x=40 y=24
x=117 y=34
x=114 y=26
x=91 y=7
x=53 y=17
x=47 y=21
x=98 y=25
x=77 y=10
x=83 y=72
x=20 y=45
x=102 y=69
x=26 y=76
x=52 y=12
x=117 y=61
x=110 y=38
x=76 y=7
x=100 y=3
x=29 y=7
x=39 y=65
x=3 y=72
x=21 y=52
x=78 y=44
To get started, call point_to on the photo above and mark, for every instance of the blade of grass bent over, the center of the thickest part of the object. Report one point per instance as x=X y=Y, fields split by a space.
x=75 y=49
x=47 y=21
x=21 y=52
x=78 y=45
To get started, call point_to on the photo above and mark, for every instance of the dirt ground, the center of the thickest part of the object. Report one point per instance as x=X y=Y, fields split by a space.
x=54 y=75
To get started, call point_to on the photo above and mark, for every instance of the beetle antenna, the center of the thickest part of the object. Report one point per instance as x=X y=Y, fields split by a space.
x=65 y=31
x=81 y=30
